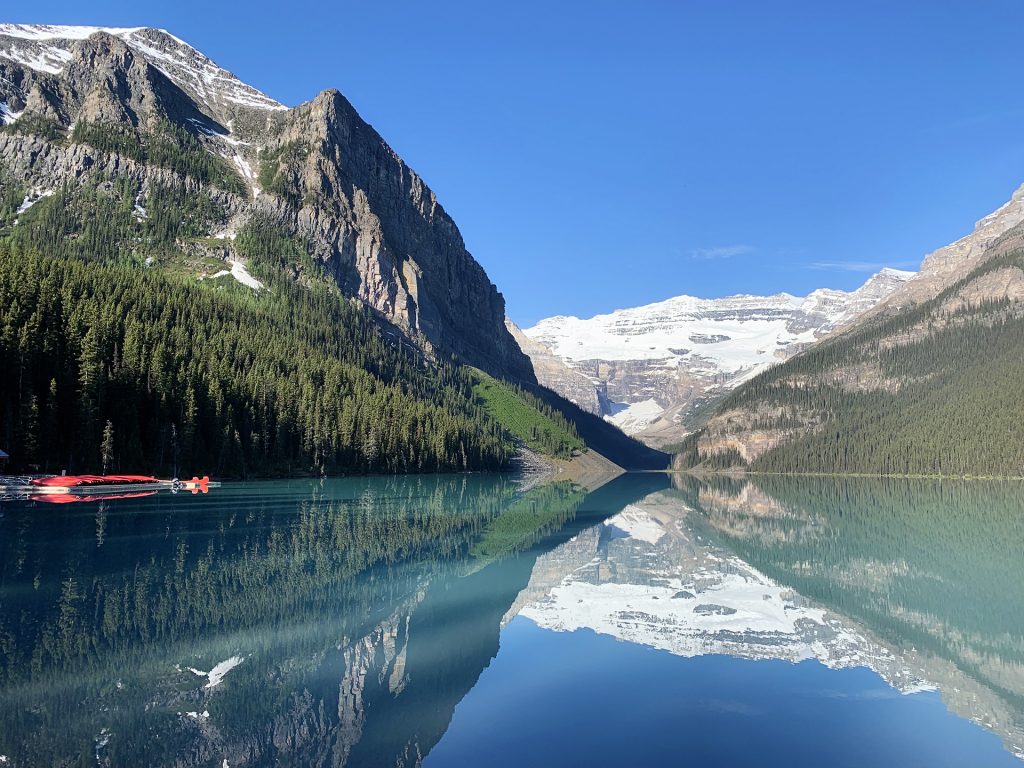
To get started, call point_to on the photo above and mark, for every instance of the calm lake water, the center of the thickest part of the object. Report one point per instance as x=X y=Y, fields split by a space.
x=458 y=620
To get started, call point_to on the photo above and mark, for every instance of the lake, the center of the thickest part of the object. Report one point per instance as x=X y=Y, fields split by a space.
x=462 y=620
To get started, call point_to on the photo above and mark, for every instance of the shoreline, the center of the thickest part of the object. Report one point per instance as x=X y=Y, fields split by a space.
x=864 y=475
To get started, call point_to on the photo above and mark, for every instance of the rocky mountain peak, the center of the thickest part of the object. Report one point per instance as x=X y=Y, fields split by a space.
x=114 y=84
x=49 y=49
x=318 y=171
x=943 y=267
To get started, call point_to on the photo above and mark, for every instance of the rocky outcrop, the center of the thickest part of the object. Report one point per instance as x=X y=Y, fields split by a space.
x=554 y=373
x=335 y=184
x=386 y=237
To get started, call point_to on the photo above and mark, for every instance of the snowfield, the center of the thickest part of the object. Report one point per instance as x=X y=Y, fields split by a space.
x=216 y=675
x=240 y=273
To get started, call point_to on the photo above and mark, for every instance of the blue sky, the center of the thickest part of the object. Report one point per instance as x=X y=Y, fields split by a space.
x=605 y=154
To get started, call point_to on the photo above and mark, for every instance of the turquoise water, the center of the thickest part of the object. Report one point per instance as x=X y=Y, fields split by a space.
x=458 y=620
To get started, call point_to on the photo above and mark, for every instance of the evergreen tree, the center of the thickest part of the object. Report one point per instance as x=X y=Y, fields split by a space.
x=107 y=447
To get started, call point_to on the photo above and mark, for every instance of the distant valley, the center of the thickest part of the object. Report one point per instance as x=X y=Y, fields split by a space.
x=657 y=370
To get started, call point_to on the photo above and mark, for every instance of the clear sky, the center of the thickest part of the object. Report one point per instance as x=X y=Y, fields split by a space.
x=599 y=154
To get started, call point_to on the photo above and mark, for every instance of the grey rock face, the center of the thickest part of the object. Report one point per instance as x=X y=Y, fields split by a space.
x=370 y=219
x=386 y=237
x=944 y=267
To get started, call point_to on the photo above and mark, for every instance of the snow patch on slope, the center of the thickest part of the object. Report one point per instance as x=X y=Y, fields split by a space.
x=33 y=197
x=633 y=417
x=240 y=273
x=59 y=31
x=247 y=172
x=49 y=59
x=7 y=116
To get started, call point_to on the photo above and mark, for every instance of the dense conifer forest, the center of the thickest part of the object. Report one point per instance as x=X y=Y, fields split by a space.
x=191 y=379
x=116 y=357
x=951 y=403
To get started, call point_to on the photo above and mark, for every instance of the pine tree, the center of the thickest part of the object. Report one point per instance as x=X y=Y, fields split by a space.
x=107 y=446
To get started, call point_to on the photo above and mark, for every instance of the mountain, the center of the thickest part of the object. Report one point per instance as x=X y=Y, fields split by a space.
x=269 y=290
x=87 y=101
x=654 y=370
x=195 y=277
x=928 y=382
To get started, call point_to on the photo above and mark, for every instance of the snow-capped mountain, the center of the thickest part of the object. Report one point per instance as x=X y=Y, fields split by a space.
x=48 y=48
x=651 y=366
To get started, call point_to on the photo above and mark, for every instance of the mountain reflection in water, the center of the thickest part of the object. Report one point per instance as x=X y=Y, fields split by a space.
x=343 y=622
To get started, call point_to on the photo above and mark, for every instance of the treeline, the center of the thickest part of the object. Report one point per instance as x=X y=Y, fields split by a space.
x=190 y=379
x=954 y=406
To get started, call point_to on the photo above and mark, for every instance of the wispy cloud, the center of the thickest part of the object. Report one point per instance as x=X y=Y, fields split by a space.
x=860 y=266
x=721 y=251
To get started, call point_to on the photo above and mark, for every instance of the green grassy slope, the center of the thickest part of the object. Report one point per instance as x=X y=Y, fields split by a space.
x=526 y=418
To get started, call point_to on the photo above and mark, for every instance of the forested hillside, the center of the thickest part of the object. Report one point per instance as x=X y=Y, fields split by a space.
x=203 y=280
x=934 y=390
x=111 y=366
